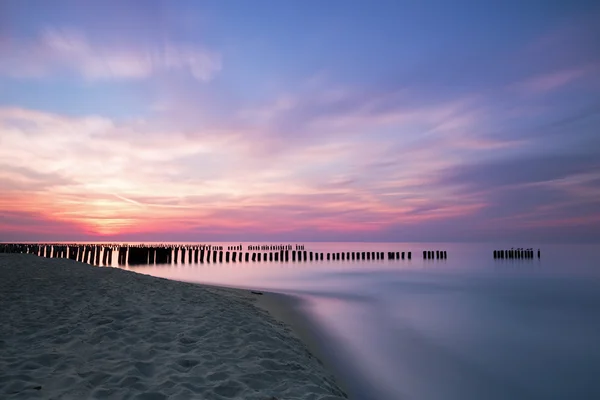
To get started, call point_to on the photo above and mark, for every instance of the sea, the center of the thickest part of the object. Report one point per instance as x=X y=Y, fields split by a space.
x=465 y=327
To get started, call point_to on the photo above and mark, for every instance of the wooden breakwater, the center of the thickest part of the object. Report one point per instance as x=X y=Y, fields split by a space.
x=102 y=254
x=517 y=254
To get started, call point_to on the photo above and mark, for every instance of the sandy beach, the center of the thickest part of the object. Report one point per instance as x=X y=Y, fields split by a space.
x=73 y=331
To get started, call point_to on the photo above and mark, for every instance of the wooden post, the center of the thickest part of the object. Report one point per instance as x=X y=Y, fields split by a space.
x=247 y=257
x=233 y=256
x=151 y=255
x=253 y=257
x=226 y=256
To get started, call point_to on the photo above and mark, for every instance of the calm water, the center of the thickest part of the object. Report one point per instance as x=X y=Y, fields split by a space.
x=468 y=327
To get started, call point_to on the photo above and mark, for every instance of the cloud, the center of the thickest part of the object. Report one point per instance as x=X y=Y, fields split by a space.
x=134 y=176
x=58 y=51
x=547 y=82
x=531 y=169
x=523 y=194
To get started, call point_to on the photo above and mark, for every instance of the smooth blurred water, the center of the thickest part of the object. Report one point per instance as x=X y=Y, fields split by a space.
x=469 y=327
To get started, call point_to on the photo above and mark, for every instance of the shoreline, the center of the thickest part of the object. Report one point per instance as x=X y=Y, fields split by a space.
x=79 y=331
x=291 y=309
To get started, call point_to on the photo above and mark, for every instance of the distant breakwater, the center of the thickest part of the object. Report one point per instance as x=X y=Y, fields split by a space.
x=102 y=254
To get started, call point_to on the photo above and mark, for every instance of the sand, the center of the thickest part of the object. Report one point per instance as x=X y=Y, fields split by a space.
x=73 y=331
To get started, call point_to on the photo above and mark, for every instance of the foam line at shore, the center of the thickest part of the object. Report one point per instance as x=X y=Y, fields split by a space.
x=71 y=330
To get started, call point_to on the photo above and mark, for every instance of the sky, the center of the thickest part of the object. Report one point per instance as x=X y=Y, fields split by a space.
x=158 y=120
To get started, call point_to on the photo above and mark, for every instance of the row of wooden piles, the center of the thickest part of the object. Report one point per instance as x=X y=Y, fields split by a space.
x=91 y=254
x=435 y=254
x=271 y=247
x=160 y=255
x=144 y=255
x=519 y=253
